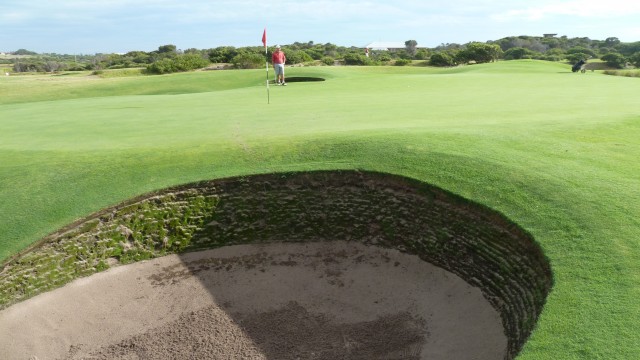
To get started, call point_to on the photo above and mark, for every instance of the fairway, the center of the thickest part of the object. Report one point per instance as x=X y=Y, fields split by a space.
x=553 y=151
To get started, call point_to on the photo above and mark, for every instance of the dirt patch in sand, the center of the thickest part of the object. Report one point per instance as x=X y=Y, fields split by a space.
x=327 y=300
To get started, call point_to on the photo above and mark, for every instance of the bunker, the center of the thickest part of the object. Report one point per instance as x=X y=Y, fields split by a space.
x=368 y=209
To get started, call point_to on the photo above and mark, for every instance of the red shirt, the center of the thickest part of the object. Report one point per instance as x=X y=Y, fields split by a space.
x=278 y=57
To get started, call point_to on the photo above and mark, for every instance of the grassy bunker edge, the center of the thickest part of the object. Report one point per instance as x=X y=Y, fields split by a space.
x=478 y=244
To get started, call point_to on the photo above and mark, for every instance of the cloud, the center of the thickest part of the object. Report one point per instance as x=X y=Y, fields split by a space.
x=202 y=23
x=583 y=9
x=13 y=17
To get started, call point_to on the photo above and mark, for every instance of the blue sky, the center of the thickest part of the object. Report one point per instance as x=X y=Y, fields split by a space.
x=88 y=27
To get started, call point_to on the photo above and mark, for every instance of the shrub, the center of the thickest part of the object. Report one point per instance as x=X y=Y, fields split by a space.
x=53 y=66
x=24 y=52
x=80 y=67
x=517 y=53
x=188 y=62
x=441 y=59
x=575 y=57
x=635 y=59
x=550 y=57
x=356 y=59
x=479 y=53
x=27 y=66
x=297 y=57
x=422 y=54
x=582 y=50
x=184 y=62
x=248 y=61
x=383 y=57
x=222 y=54
x=327 y=60
x=615 y=60
x=163 y=66
x=622 y=73
x=402 y=62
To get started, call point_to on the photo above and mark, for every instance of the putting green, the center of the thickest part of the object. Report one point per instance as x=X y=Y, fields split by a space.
x=553 y=151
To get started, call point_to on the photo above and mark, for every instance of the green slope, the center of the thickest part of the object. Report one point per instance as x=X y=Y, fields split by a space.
x=554 y=151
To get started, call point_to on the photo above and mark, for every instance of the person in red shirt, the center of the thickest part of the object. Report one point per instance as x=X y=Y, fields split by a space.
x=278 y=58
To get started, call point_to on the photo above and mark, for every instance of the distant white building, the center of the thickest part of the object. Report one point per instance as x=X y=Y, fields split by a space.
x=389 y=46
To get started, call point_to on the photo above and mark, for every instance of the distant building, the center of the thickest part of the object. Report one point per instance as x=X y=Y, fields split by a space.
x=549 y=35
x=388 y=46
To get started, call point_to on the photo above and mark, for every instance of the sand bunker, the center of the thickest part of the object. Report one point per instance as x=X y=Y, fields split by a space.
x=325 y=300
x=501 y=262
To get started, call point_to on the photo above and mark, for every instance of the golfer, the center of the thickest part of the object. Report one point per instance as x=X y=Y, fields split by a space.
x=278 y=58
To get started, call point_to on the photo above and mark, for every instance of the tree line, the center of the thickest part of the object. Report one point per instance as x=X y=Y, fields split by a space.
x=168 y=58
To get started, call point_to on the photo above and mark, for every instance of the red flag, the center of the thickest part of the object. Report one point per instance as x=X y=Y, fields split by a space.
x=264 y=38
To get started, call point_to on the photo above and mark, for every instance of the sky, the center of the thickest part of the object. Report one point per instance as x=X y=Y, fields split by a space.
x=120 y=26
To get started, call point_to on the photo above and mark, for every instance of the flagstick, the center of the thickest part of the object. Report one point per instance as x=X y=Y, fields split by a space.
x=266 y=61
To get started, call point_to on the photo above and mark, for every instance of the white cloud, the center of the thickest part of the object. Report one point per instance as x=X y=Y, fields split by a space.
x=233 y=22
x=12 y=17
x=584 y=9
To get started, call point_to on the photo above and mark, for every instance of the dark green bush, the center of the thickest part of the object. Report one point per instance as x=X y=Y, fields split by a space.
x=575 y=57
x=441 y=59
x=517 y=53
x=327 y=60
x=582 y=50
x=222 y=54
x=615 y=60
x=355 y=59
x=184 y=62
x=163 y=66
x=297 y=57
x=248 y=61
x=188 y=62
x=383 y=57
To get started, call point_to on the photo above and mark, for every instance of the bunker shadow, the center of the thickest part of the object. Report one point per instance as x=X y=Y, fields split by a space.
x=297 y=79
x=469 y=240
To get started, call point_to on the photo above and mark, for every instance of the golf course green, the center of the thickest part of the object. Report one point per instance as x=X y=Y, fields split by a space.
x=555 y=152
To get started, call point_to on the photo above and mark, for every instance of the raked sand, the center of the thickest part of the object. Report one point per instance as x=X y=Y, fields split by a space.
x=330 y=300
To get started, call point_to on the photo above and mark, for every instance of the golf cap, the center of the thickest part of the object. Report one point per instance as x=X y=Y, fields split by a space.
x=277 y=46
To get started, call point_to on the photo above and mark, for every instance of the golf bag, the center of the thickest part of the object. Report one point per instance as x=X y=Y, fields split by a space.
x=577 y=66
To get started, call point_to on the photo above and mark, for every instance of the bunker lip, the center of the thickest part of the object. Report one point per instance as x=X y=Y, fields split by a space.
x=481 y=246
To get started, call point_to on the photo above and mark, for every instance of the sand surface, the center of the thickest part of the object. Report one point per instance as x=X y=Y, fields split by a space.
x=332 y=300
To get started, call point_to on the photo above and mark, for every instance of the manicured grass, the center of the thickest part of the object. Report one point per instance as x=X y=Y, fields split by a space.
x=556 y=152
